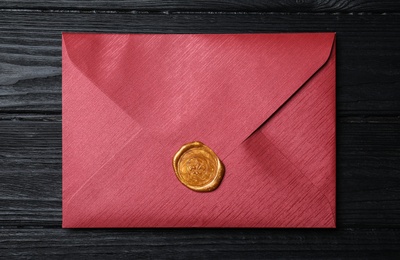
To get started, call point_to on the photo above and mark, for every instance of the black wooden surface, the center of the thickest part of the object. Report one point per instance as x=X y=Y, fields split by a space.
x=368 y=128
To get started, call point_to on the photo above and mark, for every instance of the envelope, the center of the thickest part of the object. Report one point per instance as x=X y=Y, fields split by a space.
x=264 y=103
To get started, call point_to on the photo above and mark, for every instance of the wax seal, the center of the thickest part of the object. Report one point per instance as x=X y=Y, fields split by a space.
x=198 y=167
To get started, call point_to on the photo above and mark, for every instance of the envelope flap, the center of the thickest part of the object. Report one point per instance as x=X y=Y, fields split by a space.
x=217 y=89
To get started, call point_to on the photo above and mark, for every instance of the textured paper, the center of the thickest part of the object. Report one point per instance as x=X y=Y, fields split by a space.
x=265 y=103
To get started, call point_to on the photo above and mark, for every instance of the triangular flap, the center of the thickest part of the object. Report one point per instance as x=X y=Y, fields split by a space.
x=214 y=88
x=94 y=127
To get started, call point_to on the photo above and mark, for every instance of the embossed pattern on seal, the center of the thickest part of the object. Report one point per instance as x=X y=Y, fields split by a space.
x=198 y=167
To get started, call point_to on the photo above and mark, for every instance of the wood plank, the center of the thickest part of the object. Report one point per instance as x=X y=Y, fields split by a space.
x=200 y=243
x=30 y=53
x=368 y=172
x=368 y=194
x=345 y=6
x=368 y=139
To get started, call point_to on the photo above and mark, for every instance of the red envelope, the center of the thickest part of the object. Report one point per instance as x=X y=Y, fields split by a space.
x=264 y=103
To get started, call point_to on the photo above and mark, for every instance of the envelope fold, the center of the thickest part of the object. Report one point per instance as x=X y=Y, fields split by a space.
x=304 y=130
x=290 y=198
x=265 y=103
x=182 y=88
x=127 y=199
x=94 y=128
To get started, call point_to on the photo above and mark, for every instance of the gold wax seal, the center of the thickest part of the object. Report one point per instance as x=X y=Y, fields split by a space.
x=198 y=167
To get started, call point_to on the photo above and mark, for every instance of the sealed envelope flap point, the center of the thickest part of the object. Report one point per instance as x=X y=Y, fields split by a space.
x=258 y=100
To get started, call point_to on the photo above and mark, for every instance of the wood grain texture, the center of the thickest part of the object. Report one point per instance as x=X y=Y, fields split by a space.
x=368 y=128
x=210 y=5
x=200 y=243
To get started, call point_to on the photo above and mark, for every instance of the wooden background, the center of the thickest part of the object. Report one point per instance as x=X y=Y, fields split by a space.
x=368 y=123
